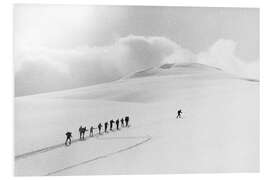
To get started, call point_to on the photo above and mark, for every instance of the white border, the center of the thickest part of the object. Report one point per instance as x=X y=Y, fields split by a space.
x=6 y=83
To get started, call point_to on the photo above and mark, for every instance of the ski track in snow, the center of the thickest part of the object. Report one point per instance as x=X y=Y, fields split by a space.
x=97 y=136
x=50 y=148
x=147 y=138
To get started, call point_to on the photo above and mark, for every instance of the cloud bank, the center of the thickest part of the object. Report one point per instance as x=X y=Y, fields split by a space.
x=41 y=69
x=222 y=54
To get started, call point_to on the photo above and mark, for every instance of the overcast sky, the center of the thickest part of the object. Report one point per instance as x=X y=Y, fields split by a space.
x=64 y=46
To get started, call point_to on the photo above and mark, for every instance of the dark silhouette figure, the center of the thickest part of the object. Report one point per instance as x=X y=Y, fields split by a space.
x=127 y=121
x=92 y=131
x=106 y=126
x=111 y=124
x=68 y=138
x=117 y=124
x=81 y=132
x=179 y=113
x=122 y=122
x=99 y=128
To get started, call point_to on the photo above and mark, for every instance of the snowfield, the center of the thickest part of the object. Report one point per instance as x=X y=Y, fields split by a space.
x=218 y=133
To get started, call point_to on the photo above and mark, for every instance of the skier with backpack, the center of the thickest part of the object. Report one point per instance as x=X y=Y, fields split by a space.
x=127 y=121
x=106 y=126
x=81 y=132
x=117 y=124
x=68 y=138
x=111 y=124
x=99 y=128
x=179 y=113
x=122 y=122
x=92 y=131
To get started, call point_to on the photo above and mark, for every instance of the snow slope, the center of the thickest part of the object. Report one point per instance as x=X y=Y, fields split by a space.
x=219 y=131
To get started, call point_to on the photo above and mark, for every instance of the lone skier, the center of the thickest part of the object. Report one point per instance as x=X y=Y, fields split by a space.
x=179 y=113
x=127 y=121
x=106 y=126
x=99 y=128
x=68 y=138
x=117 y=124
x=122 y=122
x=111 y=124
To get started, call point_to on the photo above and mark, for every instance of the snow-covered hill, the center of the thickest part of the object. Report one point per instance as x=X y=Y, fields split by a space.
x=183 y=69
x=219 y=131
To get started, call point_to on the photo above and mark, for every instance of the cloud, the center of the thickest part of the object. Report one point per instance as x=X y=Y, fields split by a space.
x=41 y=69
x=180 y=55
x=143 y=52
x=222 y=55
x=82 y=66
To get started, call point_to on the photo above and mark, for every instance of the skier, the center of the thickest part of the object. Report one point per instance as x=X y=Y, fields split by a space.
x=106 y=126
x=127 y=120
x=81 y=132
x=99 y=128
x=92 y=131
x=117 y=124
x=179 y=112
x=122 y=122
x=68 y=139
x=111 y=124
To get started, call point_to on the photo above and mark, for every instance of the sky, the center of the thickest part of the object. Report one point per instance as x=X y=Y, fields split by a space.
x=63 y=46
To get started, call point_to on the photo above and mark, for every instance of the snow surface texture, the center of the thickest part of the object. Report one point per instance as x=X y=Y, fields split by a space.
x=219 y=131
